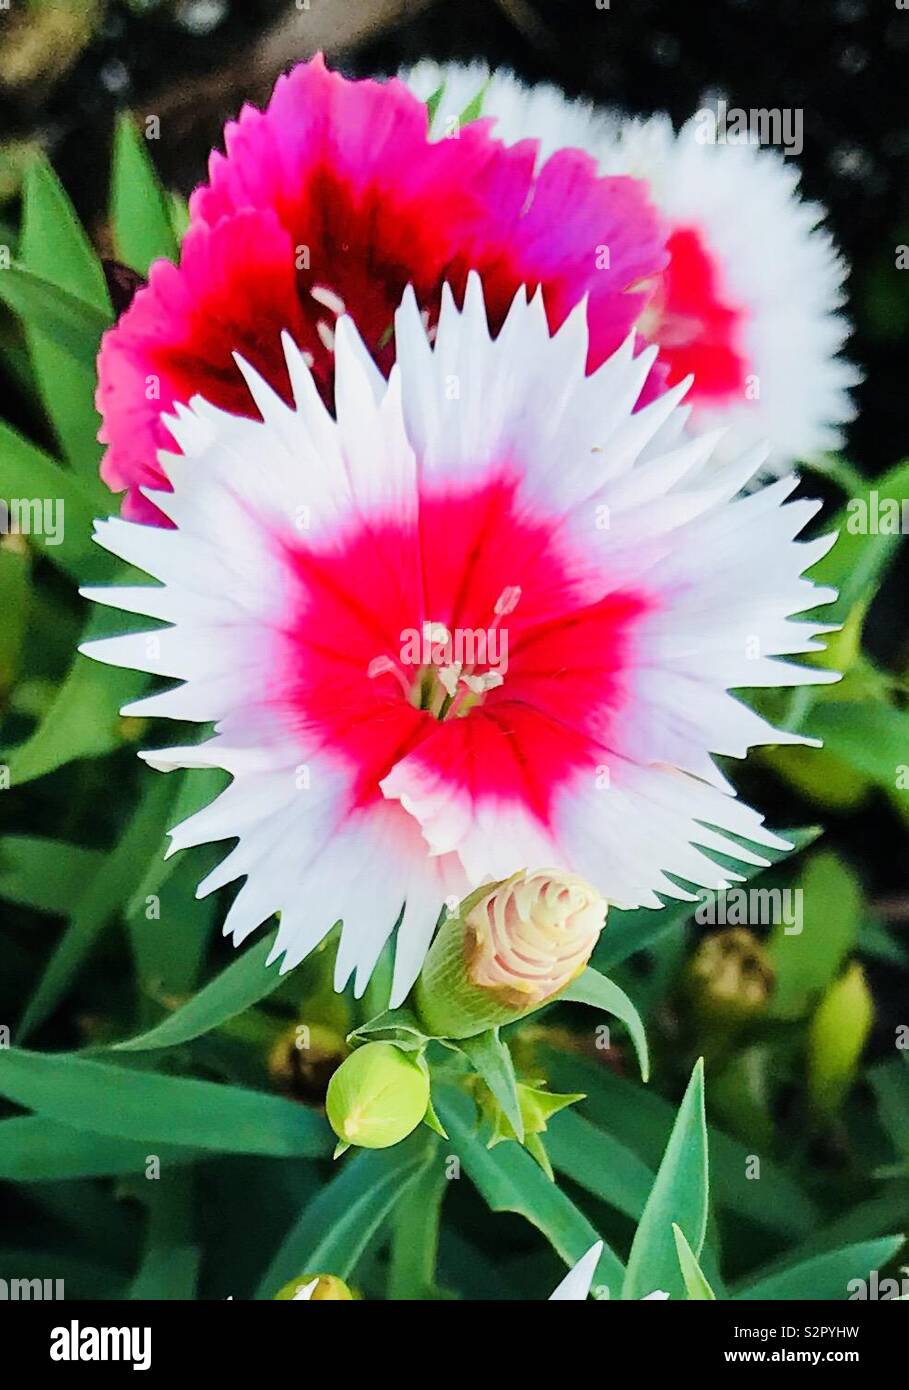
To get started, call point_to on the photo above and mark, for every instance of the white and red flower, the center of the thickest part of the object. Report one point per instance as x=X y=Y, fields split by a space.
x=750 y=300
x=333 y=200
x=488 y=482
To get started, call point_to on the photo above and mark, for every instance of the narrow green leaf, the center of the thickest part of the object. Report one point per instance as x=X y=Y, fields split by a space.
x=510 y=1180
x=642 y=1121
x=807 y=954
x=491 y=1059
x=81 y=1278
x=890 y=1083
x=35 y=1149
x=599 y=1163
x=415 y=1236
x=140 y=209
x=696 y=1283
x=47 y=875
x=679 y=1195
x=858 y=560
x=68 y=510
x=869 y=735
x=826 y=1276
x=170 y=1263
x=592 y=988
x=197 y=788
x=14 y=605
x=103 y=895
x=84 y=719
x=239 y=986
x=73 y=324
x=54 y=246
x=129 y=1104
x=335 y=1229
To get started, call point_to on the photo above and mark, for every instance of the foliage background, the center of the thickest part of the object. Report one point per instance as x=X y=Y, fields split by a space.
x=247 y=1197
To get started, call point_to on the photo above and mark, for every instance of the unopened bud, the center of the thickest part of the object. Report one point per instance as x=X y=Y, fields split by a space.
x=836 y=1039
x=730 y=978
x=511 y=947
x=377 y=1096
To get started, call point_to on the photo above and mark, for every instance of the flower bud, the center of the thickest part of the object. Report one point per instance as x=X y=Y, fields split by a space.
x=510 y=947
x=328 y=1289
x=377 y=1096
x=836 y=1039
x=730 y=979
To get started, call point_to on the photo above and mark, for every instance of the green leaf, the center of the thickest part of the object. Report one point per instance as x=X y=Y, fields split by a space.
x=642 y=1121
x=35 y=1149
x=170 y=1264
x=696 y=1284
x=509 y=1180
x=129 y=1104
x=54 y=246
x=140 y=209
x=599 y=1163
x=239 y=986
x=869 y=735
x=14 y=605
x=857 y=562
x=196 y=789
x=806 y=961
x=491 y=1059
x=679 y=1196
x=103 y=895
x=826 y=1276
x=84 y=719
x=334 y=1230
x=170 y=936
x=46 y=875
x=81 y=1278
x=27 y=472
x=71 y=323
x=394 y=1025
x=592 y=988
x=415 y=1236
x=890 y=1083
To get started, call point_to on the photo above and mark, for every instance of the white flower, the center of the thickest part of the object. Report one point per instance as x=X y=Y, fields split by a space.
x=751 y=299
x=494 y=488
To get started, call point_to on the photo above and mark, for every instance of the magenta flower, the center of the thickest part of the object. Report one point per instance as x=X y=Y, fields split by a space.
x=331 y=201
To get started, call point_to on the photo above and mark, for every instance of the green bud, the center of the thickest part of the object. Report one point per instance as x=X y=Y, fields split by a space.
x=836 y=1039
x=377 y=1096
x=329 y=1289
x=510 y=948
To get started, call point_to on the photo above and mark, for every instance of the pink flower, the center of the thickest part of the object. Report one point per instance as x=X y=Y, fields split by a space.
x=332 y=201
